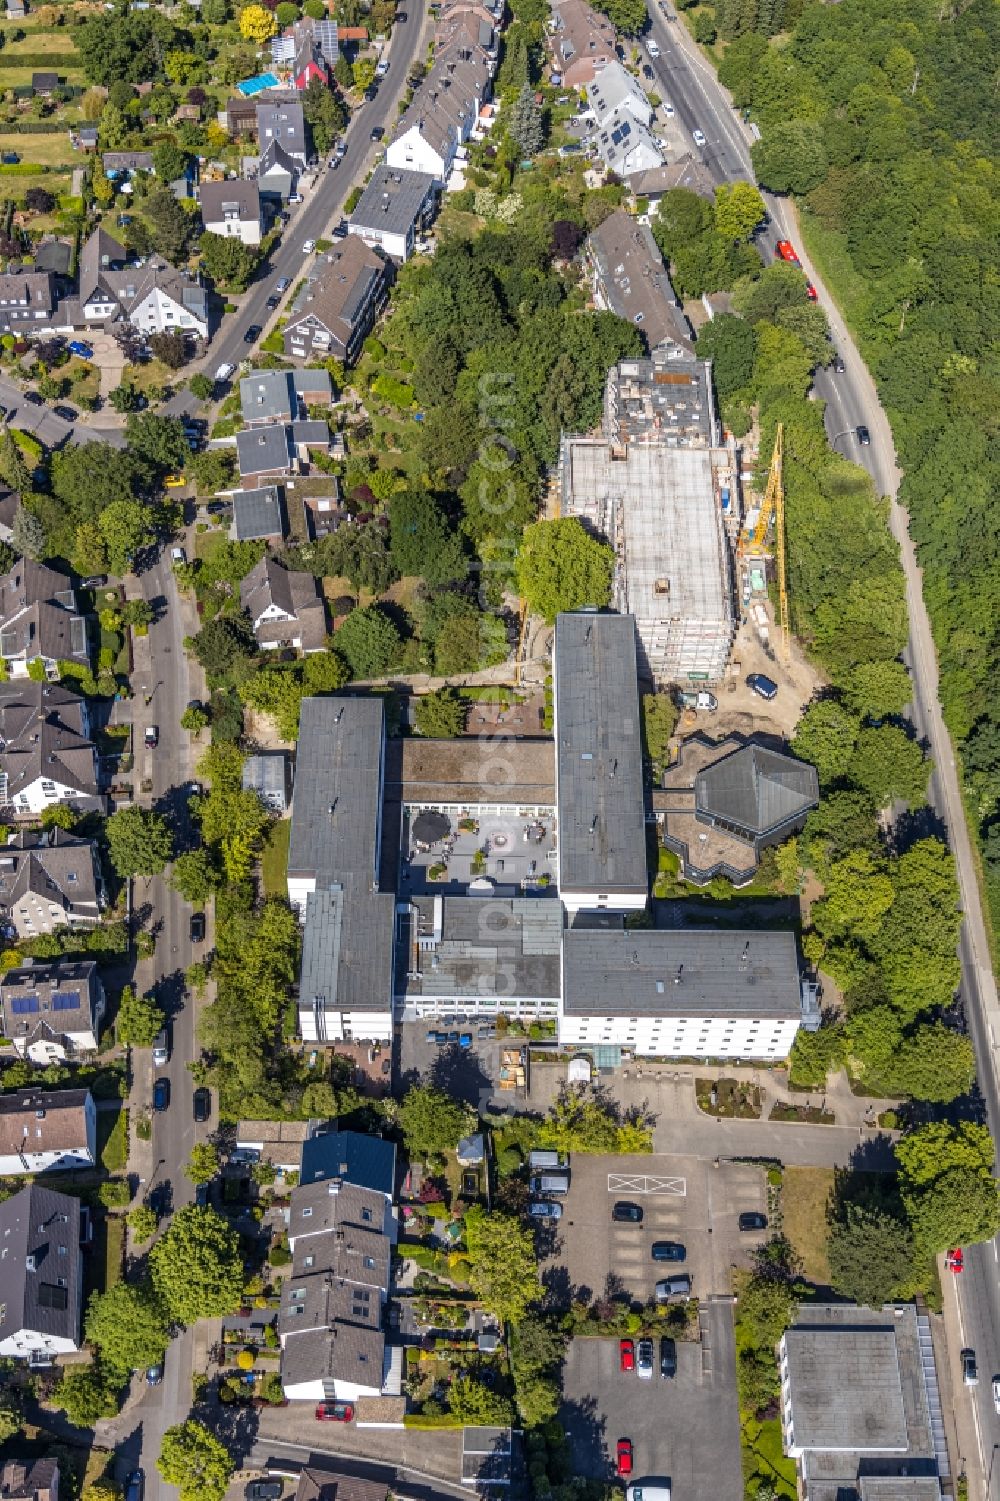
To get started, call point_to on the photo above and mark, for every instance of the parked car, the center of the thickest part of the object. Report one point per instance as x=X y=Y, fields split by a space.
x=68 y=414
x=378 y=131
x=762 y=685
x=33 y=399
x=668 y=1357
x=308 y=246
x=624 y=1456
x=284 y=282
x=151 y=738
x=698 y=136
x=10 y=158
x=838 y=365
x=202 y=1105
x=225 y=371
x=335 y=1412
x=996 y=1393
x=273 y=300
x=135 y=1486
x=95 y=581
x=77 y=347
x=541 y=1210
x=647 y=71
x=264 y=1490
x=811 y=292
x=340 y=150
x=626 y=1354
x=652 y=49
x=786 y=250
x=673 y=1287
x=753 y=1220
x=154 y=1375
x=252 y=334
x=340 y=230
x=197 y=927
x=175 y=481
x=295 y=197
x=644 y=1359
x=178 y=555
x=381 y=67
x=668 y=109
x=668 y=1250
x=161 y=1093
x=970 y=1371
x=626 y=1214
x=864 y=436
x=955 y=1261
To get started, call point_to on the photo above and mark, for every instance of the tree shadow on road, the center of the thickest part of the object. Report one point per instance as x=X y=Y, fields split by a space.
x=559 y=1292
x=586 y=1431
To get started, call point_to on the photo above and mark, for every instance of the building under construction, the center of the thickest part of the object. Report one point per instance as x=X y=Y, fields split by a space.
x=661 y=487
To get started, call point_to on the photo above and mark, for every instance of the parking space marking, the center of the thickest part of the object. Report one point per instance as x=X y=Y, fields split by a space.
x=642 y=1184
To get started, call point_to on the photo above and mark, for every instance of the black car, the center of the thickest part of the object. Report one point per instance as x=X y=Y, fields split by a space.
x=264 y=1490
x=668 y=1358
x=273 y=300
x=252 y=334
x=96 y=581
x=33 y=399
x=161 y=1093
x=378 y=131
x=135 y=1486
x=753 y=1220
x=762 y=685
x=340 y=230
x=626 y=1214
x=668 y=1250
x=202 y=1105
x=838 y=365
x=197 y=927
x=67 y=413
x=864 y=436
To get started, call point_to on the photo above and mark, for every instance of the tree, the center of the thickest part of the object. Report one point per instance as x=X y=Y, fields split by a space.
x=125 y=396
x=137 y=612
x=102 y=1491
x=731 y=344
x=128 y=1327
x=537 y=1348
x=28 y=534
x=871 y=1255
x=169 y=226
x=659 y=720
x=933 y=1063
x=39 y=200
x=143 y=1222
x=947 y=1185
x=10 y=1415
x=790 y=157
x=369 y=642
x=203 y=1164
x=858 y=895
x=627 y=16
x=170 y=161
x=887 y=765
x=139 y=841
x=441 y=715
x=157 y=441
x=59 y=816
x=431 y=1121
x=473 y=1402
x=228 y=261
x=125 y=528
x=421 y=542
x=525 y=124
x=815 y=1055
x=170 y=347
x=560 y=567
x=739 y=209
x=324 y=114
x=191 y=1457
x=826 y=736
x=257 y=24
x=878 y=688
x=194 y=875
x=503 y=1267
x=202 y=386
x=195 y=719
x=85 y=1394
x=139 y=1020
x=224 y=644
x=363 y=74
x=196 y=1266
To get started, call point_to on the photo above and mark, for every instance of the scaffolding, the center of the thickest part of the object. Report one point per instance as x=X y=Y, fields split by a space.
x=753 y=537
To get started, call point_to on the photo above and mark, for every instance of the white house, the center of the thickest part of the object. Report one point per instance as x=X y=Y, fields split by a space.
x=154 y=297
x=443 y=114
x=392 y=208
x=232 y=208
x=41 y=1275
x=47 y=755
x=614 y=88
x=52 y=1009
x=47 y=1130
x=285 y=607
x=625 y=145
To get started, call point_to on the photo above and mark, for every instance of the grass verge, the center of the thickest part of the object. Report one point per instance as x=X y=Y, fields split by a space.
x=274 y=860
x=112 y=1140
x=804 y=1197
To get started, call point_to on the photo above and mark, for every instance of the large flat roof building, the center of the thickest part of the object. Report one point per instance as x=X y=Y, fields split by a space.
x=599 y=795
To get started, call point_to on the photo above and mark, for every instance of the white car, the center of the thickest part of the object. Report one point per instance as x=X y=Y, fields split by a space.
x=381 y=68
x=668 y=109
x=308 y=246
x=224 y=372
x=698 y=136
x=178 y=555
x=996 y=1392
x=652 y=49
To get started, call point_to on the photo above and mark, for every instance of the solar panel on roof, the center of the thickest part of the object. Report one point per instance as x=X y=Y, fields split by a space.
x=50 y=1296
x=68 y=1000
x=24 y=1005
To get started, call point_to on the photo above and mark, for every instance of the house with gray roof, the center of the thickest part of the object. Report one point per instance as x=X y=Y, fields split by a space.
x=686 y=172
x=47 y=1130
x=285 y=607
x=628 y=277
x=336 y=309
x=281 y=123
x=41 y=1276
x=861 y=1405
x=27 y=301
x=277 y=172
x=394 y=207
x=443 y=113
x=123 y=163
x=39 y=619
x=47 y=754
x=322 y=1485
x=599 y=797
x=49 y=879
x=352 y=1156
x=258 y=515
x=269 y=774
x=582 y=42
x=154 y=297
x=615 y=89
x=722 y=802
x=232 y=208
x=29 y=1480
x=282 y=395
x=625 y=145
x=265 y=452
x=52 y=1008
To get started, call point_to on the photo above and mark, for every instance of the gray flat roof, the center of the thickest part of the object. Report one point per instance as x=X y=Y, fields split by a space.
x=336 y=804
x=347 y=948
x=680 y=972
x=262 y=450
x=258 y=513
x=602 y=830
x=845 y=1388
x=393 y=200
x=268 y=395
x=487 y=946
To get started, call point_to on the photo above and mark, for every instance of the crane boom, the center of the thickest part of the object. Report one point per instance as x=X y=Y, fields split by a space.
x=772 y=507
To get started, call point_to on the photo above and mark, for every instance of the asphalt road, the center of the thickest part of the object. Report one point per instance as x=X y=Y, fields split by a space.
x=851 y=399
x=42 y=422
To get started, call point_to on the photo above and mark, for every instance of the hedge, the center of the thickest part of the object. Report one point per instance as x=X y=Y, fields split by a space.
x=26 y=443
x=27 y=169
x=46 y=62
x=446 y=1420
x=35 y=128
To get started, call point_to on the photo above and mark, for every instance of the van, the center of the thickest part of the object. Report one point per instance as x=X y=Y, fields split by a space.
x=540 y=1162
x=161 y=1049
x=550 y=1183
x=648 y=1491
x=673 y=1287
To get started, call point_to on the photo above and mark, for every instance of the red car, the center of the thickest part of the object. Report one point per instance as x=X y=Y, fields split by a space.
x=626 y=1354
x=955 y=1261
x=787 y=252
x=624 y=1456
x=811 y=292
x=335 y=1412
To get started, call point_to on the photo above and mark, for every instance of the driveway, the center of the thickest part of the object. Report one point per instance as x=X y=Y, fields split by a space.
x=685 y=1430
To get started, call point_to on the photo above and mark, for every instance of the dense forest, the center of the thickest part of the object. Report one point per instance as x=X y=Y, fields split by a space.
x=878 y=115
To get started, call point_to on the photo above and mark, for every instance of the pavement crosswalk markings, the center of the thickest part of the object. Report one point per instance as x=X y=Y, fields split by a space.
x=642 y=1183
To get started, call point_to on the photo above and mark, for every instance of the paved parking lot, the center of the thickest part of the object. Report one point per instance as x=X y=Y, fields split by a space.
x=467 y=1074
x=684 y=1199
x=685 y=1430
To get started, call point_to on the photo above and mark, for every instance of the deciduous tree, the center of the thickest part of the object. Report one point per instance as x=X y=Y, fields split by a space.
x=196 y=1266
x=871 y=1255
x=503 y=1267
x=432 y=1121
x=139 y=841
x=191 y=1457
x=128 y=1327
x=560 y=567
x=139 y=1019
x=441 y=715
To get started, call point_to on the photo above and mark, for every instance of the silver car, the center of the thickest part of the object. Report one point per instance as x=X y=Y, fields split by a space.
x=644 y=1359
x=543 y=1210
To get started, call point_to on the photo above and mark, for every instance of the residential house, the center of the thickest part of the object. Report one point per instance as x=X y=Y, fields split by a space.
x=10 y=504
x=268 y=453
x=625 y=145
x=467 y=23
x=354 y=1157
x=628 y=277
x=259 y=515
x=286 y=607
x=269 y=774
x=154 y=297
x=41 y=1276
x=282 y=123
x=307 y=50
x=582 y=42
x=322 y=1485
x=442 y=115
x=49 y=879
x=44 y=84
x=723 y=802
x=16 y=10
x=394 y=206
x=687 y=172
x=47 y=754
x=337 y=308
x=52 y=1008
x=86 y=137
x=232 y=208
x=123 y=163
x=39 y=619
x=614 y=89
x=277 y=172
x=27 y=301
x=29 y=1480
x=278 y=1142
x=47 y=1131
x=54 y=255
x=241 y=116
x=268 y=396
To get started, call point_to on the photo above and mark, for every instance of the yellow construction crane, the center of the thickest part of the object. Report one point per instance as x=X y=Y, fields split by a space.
x=773 y=505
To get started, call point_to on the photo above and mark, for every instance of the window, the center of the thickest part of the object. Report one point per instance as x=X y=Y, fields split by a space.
x=307 y=1214
x=370 y=1263
x=310 y=1260
x=366 y=1215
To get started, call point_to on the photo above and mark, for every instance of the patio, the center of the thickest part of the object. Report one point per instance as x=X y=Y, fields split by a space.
x=510 y=854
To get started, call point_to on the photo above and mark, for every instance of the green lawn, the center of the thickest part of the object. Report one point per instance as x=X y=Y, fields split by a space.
x=102 y=1266
x=805 y=1192
x=828 y=249
x=54 y=40
x=48 y=150
x=112 y=1139
x=274 y=860
x=762 y=1455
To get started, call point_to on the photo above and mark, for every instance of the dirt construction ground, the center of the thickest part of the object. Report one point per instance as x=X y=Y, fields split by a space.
x=743 y=710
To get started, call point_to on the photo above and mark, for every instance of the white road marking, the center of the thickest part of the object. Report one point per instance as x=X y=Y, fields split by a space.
x=640 y=1183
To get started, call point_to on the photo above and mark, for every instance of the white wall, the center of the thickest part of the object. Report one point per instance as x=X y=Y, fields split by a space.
x=683 y=1037
x=158 y=312
x=355 y=1026
x=298 y=889
x=603 y=901
x=398 y=247
x=245 y=230
x=412 y=151
x=319 y=1391
x=36 y=796
x=29 y=1342
x=533 y=1007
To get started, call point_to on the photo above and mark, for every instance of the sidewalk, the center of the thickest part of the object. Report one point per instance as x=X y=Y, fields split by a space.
x=960 y=1415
